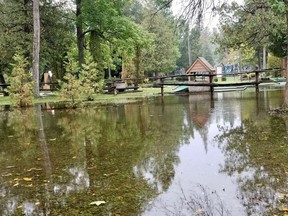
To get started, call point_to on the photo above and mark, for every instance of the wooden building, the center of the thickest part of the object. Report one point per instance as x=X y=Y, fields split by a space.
x=199 y=67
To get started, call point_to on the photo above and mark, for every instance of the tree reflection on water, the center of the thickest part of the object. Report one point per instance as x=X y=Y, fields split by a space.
x=59 y=164
x=257 y=154
x=201 y=201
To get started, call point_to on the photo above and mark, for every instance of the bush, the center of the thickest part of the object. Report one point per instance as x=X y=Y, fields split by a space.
x=215 y=79
x=71 y=85
x=83 y=84
x=92 y=80
x=223 y=78
x=21 y=83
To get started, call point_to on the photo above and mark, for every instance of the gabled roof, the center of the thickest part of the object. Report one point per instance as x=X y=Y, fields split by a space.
x=200 y=65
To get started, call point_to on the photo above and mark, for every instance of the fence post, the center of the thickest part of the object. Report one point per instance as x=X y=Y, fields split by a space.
x=211 y=83
x=162 y=86
x=257 y=80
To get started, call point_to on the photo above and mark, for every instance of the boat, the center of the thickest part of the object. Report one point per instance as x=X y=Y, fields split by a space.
x=229 y=88
x=278 y=79
x=181 y=89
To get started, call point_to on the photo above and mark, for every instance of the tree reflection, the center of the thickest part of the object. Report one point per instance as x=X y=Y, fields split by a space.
x=201 y=201
x=59 y=164
x=257 y=154
x=122 y=145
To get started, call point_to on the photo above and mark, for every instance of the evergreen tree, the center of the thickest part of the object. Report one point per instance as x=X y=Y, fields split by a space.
x=21 y=83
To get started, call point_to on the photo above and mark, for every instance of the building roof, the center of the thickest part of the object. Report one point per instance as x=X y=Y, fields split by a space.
x=200 y=65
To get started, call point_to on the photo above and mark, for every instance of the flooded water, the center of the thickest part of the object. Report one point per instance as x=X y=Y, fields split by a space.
x=180 y=155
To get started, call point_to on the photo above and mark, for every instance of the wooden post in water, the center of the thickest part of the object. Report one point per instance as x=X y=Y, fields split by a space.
x=257 y=81
x=211 y=83
x=162 y=86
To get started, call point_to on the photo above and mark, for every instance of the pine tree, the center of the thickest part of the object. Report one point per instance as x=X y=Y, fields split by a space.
x=21 y=83
x=92 y=80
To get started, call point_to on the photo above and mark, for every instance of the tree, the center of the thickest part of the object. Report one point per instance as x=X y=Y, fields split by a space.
x=162 y=55
x=21 y=82
x=80 y=34
x=240 y=27
x=36 y=46
x=16 y=32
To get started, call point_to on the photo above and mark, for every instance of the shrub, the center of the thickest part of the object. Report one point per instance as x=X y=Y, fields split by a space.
x=215 y=79
x=21 y=83
x=83 y=84
x=223 y=78
x=92 y=80
x=71 y=85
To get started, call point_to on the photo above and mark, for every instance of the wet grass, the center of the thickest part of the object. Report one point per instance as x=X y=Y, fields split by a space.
x=100 y=98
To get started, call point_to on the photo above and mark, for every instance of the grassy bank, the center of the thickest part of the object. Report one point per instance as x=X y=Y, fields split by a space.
x=99 y=98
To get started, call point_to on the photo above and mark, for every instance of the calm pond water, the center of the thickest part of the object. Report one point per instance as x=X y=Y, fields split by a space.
x=181 y=155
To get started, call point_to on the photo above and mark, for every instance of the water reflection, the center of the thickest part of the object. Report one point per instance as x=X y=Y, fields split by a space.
x=155 y=157
x=257 y=154
x=59 y=164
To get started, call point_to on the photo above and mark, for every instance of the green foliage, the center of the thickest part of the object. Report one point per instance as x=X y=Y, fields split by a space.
x=223 y=79
x=240 y=24
x=21 y=84
x=81 y=84
x=112 y=35
x=255 y=24
x=16 y=28
x=199 y=40
x=92 y=80
x=215 y=79
x=162 y=54
x=273 y=61
x=279 y=6
x=70 y=87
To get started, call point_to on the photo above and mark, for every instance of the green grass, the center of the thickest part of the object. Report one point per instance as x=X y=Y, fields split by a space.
x=100 y=98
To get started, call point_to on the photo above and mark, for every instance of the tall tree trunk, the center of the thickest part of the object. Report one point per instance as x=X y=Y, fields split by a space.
x=286 y=86
x=264 y=57
x=80 y=36
x=36 y=46
x=137 y=63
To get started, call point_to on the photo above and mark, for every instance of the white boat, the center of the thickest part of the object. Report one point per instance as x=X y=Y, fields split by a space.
x=229 y=88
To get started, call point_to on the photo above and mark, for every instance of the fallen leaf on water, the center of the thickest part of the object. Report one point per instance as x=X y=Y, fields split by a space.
x=27 y=179
x=10 y=136
x=34 y=169
x=98 y=203
x=20 y=206
x=52 y=139
x=6 y=174
x=9 y=167
x=74 y=157
x=15 y=185
x=37 y=203
x=283 y=209
x=30 y=185
x=16 y=179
